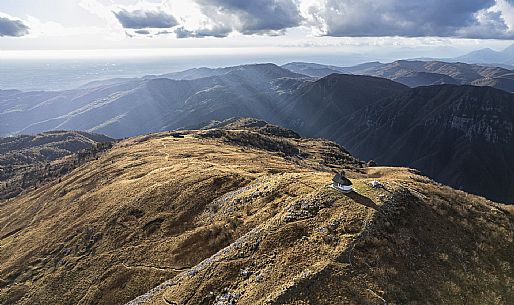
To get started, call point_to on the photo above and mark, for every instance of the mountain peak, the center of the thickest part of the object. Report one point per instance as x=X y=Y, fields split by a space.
x=489 y=56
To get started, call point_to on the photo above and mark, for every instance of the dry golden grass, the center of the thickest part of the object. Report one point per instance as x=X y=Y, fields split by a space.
x=215 y=221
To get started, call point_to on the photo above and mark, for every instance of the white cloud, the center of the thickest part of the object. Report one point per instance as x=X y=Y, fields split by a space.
x=340 y=18
x=506 y=10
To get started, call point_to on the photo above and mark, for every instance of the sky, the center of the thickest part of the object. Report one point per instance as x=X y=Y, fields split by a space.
x=401 y=28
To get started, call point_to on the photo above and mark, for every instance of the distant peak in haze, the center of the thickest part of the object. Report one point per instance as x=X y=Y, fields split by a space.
x=489 y=56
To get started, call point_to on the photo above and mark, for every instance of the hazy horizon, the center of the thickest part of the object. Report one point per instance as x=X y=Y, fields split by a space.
x=132 y=38
x=59 y=70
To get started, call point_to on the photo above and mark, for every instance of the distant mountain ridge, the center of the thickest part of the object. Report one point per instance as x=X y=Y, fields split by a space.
x=420 y=73
x=204 y=72
x=313 y=69
x=489 y=56
x=132 y=107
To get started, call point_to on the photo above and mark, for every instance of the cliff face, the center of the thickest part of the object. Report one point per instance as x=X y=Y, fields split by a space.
x=243 y=213
x=459 y=135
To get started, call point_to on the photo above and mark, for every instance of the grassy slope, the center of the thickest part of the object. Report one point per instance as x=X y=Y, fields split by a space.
x=220 y=221
x=411 y=243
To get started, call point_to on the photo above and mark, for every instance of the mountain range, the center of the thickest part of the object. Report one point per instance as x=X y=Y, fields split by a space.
x=128 y=107
x=242 y=212
x=419 y=73
x=452 y=133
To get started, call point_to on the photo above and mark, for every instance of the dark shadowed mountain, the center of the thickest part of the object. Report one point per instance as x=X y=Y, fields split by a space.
x=416 y=79
x=459 y=135
x=422 y=73
x=502 y=83
x=316 y=104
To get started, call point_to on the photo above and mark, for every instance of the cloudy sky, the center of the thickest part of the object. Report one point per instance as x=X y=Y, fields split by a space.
x=434 y=27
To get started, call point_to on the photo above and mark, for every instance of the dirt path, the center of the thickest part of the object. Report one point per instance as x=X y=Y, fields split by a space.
x=167 y=158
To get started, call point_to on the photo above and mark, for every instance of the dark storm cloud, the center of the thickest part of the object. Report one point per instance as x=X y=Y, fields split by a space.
x=252 y=17
x=141 y=19
x=13 y=28
x=413 y=18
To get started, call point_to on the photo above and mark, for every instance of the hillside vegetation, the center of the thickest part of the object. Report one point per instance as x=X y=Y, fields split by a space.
x=28 y=161
x=242 y=214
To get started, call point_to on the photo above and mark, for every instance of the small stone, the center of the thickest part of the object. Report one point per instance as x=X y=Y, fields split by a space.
x=377 y=185
x=258 y=278
x=245 y=272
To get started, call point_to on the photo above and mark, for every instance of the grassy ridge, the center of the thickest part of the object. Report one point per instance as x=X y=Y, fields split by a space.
x=220 y=219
